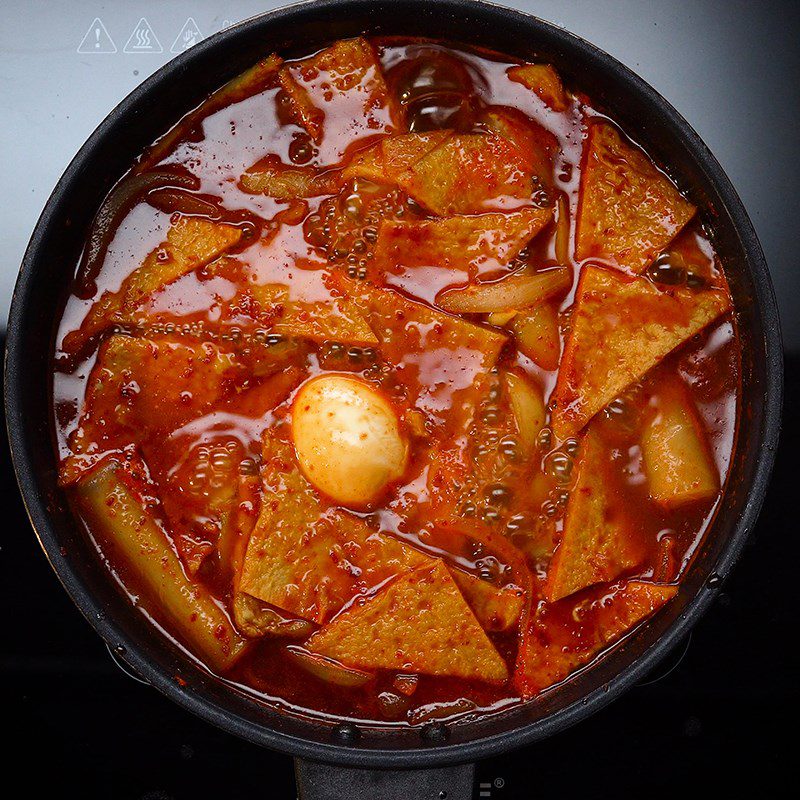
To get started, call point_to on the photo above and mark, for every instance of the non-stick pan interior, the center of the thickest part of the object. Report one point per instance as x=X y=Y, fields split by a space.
x=151 y=110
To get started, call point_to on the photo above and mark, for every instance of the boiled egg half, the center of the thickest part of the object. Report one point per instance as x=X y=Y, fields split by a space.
x=347 y=438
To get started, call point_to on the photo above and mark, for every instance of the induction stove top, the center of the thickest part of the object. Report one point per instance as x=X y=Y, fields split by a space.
x=713 y=716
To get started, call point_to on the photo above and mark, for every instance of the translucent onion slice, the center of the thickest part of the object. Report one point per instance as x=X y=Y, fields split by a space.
x=537 y=334
x=328 y=670
x=509 y=294
x=527 y=405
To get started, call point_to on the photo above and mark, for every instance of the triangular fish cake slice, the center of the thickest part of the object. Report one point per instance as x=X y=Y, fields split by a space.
x=385 y=160
x=191 y=243
x=537 y=145
x=133 y=382
x=419 y=623
x=470 y=465
x=253 y=309
x=544 y=81
x=307 y=559
x=201 y=472
x=629 y=211
x=340 y=95
x=600 y=541
x=336 y=320
x=497 y=609
x=418 y=339
x=367 y=164
x=402 y=152
x=621 y=328
x=470 y=174
x=564 y=636
x=351 y=221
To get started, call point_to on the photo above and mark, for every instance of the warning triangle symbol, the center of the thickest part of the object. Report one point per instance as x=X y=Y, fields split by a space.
x=143 y=39
x=188 y=36
x=97 y=39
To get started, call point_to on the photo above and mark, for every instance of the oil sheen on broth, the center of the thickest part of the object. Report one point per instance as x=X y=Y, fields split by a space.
x=396 y=382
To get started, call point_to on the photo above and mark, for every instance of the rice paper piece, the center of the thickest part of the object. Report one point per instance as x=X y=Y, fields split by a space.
x=621 y=328
x=419 y=623
x=629 y=211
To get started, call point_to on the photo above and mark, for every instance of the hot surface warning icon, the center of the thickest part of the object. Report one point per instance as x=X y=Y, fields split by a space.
x=189 y=35
x=143 y=39
x=97 y=39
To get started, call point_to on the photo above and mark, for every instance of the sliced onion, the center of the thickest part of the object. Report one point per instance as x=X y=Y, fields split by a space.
x=117 y=204
x=328 y=670
x=562 y=231
x=509 y=294
x=527 y=405
x=537 y=335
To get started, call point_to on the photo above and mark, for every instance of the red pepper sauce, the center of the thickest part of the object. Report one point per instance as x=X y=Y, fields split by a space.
x=512 y=519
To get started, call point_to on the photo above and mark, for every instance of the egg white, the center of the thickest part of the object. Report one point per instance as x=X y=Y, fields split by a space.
x=348 y=439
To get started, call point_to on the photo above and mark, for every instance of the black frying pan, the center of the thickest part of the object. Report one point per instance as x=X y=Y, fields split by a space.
x=405 y=763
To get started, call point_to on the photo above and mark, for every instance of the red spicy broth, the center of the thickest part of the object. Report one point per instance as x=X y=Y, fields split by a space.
x=177 y=400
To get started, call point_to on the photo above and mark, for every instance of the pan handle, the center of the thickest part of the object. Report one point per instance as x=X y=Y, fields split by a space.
x=317 y=781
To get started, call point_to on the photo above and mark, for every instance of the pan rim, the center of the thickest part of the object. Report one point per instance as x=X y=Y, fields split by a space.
x=352 y=754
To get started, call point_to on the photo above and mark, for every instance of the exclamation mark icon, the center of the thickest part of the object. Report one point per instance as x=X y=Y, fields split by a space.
x=97 y=39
